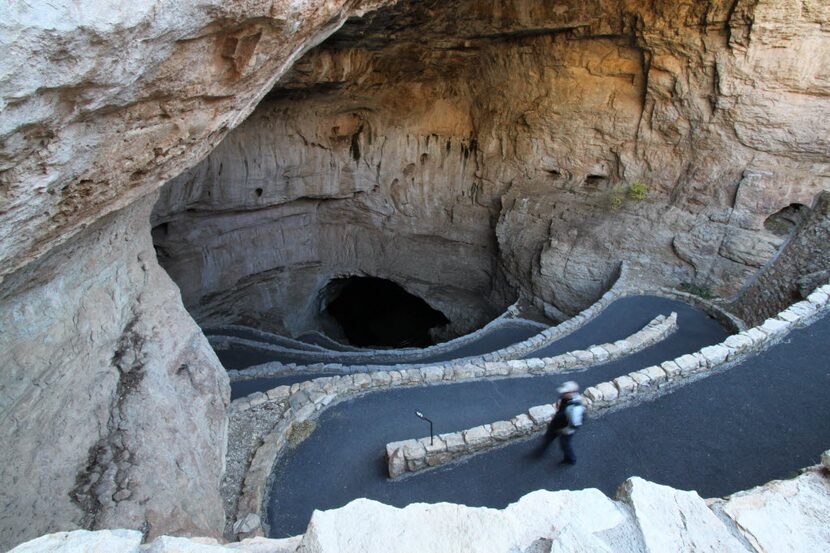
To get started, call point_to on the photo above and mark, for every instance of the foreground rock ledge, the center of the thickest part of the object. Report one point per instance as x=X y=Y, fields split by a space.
x=783 y=515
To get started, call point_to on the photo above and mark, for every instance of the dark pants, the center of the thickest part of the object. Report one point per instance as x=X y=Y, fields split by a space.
x=564 y=442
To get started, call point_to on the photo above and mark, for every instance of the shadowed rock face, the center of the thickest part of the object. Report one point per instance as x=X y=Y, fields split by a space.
x=463 y=149
x=459 y=147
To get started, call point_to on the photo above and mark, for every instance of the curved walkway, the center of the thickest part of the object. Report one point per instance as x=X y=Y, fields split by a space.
x=344 y=458
x=619 y=320
x=238 y=356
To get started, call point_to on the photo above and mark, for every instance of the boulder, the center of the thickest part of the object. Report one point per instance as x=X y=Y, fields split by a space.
x=784 y=515
x=366 y=526
x=674 y=520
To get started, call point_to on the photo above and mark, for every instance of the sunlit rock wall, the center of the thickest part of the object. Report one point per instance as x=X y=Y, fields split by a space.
x=560 y=138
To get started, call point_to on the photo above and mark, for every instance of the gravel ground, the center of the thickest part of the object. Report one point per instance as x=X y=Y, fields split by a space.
x=245 y=432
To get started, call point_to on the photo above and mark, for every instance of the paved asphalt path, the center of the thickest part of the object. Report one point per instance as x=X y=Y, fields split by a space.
x=241 y=357
x=344 y=458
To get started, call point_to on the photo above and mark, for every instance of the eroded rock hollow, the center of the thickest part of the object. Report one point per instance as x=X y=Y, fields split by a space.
x=471 y=152
x=477 y=153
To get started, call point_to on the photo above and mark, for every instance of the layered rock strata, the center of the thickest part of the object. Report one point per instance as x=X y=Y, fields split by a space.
x=533 y=142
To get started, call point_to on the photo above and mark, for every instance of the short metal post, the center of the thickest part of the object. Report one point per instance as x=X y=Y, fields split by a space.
x=421 y=416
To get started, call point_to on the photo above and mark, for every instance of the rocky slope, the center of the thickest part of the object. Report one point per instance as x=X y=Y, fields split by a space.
x=110 y=393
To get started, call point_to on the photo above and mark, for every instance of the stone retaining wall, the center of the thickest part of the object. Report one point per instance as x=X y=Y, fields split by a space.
x=802 y=262
x=374 y=357
x=625 y=285
x=419 y=454
x=545 y=337
x=307 y=399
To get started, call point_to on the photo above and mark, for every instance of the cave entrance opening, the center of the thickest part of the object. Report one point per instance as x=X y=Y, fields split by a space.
x=375 y=312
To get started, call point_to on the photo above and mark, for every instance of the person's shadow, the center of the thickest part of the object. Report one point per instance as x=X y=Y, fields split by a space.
x=544 y=442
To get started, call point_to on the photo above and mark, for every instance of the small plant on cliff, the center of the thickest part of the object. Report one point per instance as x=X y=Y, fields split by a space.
x=701 y=291
x=638 y=191
x=616 y=198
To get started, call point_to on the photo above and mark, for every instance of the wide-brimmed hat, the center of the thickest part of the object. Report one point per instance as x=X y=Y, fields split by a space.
x=568 y=387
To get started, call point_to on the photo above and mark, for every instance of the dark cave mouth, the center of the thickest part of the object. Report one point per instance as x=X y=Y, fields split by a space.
x=375 y=312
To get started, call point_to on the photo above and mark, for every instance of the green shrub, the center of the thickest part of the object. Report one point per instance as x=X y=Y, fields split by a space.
x=638 y=191
x=616 y=197
x=696 y=290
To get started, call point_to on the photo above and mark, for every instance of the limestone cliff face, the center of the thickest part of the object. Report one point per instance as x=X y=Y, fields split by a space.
x=103 y=103
x=541 y=142
x=453 y=146
x=294 y=198
x=113 y=403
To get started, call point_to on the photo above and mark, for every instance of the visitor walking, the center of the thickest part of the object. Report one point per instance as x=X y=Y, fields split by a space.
x=566 y=421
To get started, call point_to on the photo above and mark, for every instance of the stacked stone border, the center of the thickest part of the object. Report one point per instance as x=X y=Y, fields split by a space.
x=218 y=337
x=306 y=400
x=373 y=356
x=624 y=286
x=509 y=317
x=423 y=453
x=542 y=339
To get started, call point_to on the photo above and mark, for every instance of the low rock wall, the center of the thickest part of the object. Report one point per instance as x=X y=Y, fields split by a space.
x=625 y=285
x=307 y=399
x=620 y=288
x=423 y=453
x=799 y=264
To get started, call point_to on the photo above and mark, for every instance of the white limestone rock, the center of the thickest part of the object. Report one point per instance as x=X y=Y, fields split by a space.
x=395 y=460
x=715 y=355
x=502 y=430
x=599 y=353
x=608 y=390
x=655 y=374
x=672 y=369
x=592 y=393
x=478 y=436
x=774 y=327
x=784 y=515
x=818 y=298
x=455 y=442
x=365 y=526
x=674 y=520
x=248 y=526
x=640 y=377
x=83 y=541
x=738 y=342
x=522 y=423
x=541 y=414
x=170 y=544
x=266 y=545
x=625 y=384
